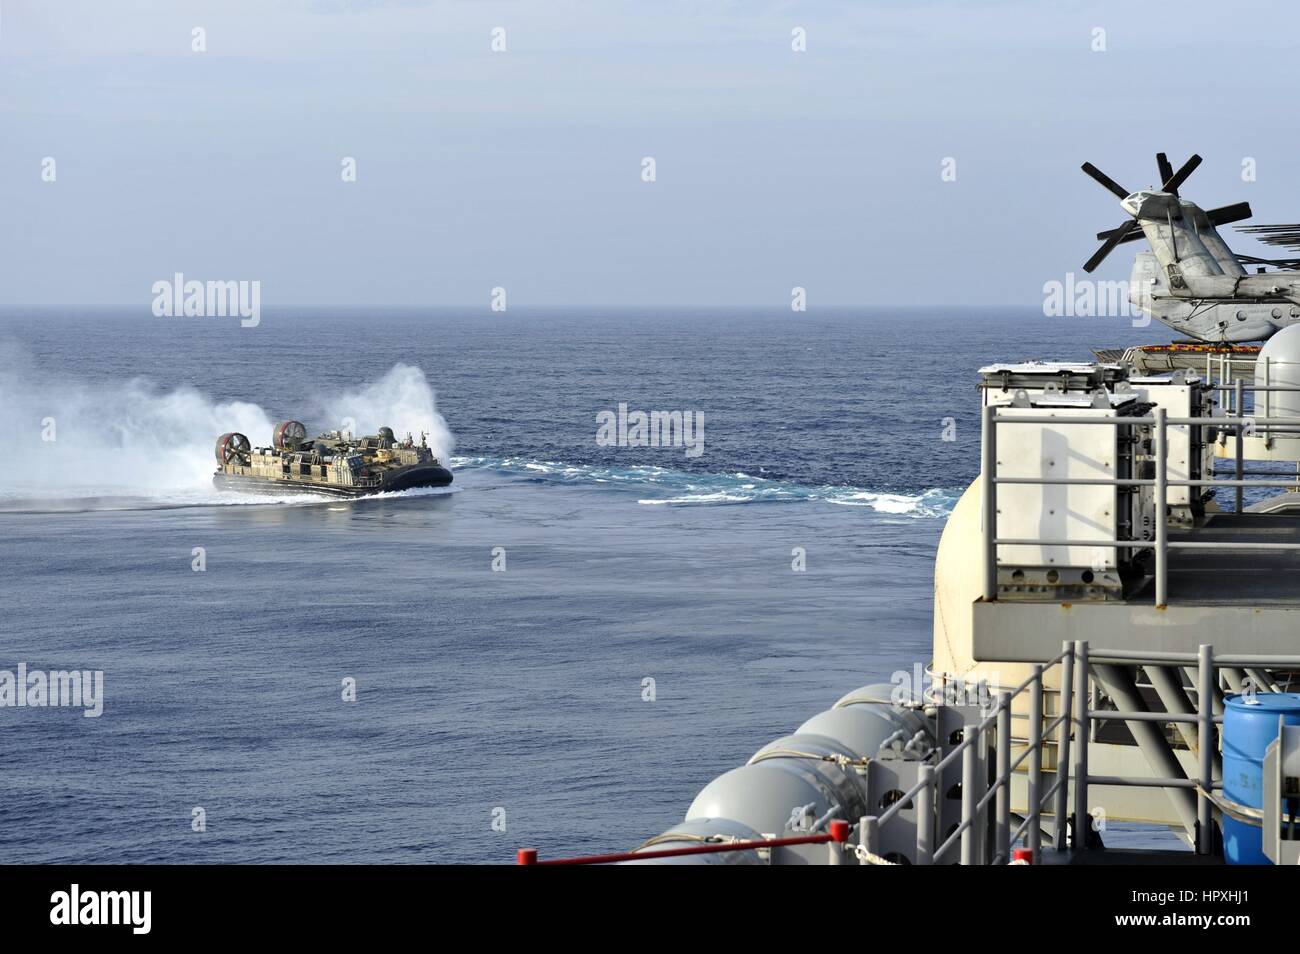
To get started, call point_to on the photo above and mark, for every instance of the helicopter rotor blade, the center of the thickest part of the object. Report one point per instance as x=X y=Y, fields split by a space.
x=1230 y=213
x=1106 y=181
x=1166 y=169
x=1116 y=237
x=1170 y=180
x=1221 y=216
x=1179 y=177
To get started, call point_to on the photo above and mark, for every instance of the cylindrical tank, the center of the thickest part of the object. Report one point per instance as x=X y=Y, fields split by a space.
x=861 y=729
x=817 y=753
x=800 y=771
x=885 y=697
x=1278 y=364
x=1249 y=725
x=763 y=795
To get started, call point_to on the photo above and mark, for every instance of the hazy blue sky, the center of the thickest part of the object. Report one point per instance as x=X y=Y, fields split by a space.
x=523 y=169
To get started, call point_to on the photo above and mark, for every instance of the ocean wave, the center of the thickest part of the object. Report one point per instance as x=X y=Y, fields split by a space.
x=94 y=500
x=97 y=500
x=66 y=436
x=683 y=488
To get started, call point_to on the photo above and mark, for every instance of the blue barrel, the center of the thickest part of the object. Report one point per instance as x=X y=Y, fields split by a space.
x=1248 y=728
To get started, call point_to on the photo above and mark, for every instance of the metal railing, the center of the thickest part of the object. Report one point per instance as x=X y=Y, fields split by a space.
x=986 y=816
x=974 y=823
x=1073 y=728
x=975 y=809
x=1160 y=423
x=835 y=837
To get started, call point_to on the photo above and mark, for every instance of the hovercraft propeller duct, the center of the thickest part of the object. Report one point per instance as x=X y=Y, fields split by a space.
x=233 y=448
x=1131 y=231
x=288 y=435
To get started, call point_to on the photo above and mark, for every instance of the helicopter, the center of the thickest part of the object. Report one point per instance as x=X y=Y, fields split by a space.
x=1190 y=280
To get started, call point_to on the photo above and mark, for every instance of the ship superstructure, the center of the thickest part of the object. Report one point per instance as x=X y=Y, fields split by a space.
x=1116 y=633
x=1116 y=611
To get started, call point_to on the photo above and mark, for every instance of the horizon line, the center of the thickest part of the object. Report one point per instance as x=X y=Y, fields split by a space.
x=538 y=306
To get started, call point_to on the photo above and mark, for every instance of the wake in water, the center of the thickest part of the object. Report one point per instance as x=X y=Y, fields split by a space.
x=681 y=488
x=71 y=445
x=135 y=444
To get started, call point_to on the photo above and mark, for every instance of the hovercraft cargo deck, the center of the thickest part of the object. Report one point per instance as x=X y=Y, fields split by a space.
x=335 y=464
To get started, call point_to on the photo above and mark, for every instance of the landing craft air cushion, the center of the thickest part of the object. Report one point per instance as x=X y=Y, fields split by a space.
x=335 y=463
x=1190 y=280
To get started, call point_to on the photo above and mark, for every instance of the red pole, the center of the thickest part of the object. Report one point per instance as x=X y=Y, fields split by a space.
x=1023 y=854
x=526 y=856
x=818 y=839
x=839 y=830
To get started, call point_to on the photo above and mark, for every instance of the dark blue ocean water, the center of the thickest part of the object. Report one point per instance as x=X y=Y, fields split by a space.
x=477 y=691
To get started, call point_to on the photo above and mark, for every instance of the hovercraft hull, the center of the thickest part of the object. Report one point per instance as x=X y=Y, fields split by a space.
x=405 y=479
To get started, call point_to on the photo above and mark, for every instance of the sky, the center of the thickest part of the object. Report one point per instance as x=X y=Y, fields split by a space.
x=523 y=169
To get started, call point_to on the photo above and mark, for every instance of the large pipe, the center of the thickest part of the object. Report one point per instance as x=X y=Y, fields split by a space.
x=1118 y=683
x=1169 y=688
x=807 y=770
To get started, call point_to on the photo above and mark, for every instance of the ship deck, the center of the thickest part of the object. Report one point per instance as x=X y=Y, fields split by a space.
x=1208 y=590
x=1238 y=578
x=1129 y=857
x=1193 y=358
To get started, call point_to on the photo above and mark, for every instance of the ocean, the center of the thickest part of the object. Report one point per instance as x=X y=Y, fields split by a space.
x=558 y=652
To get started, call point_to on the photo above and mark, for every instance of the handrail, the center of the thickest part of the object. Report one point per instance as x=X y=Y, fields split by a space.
x=1153 y=657
x=1161 y=483
x=999 y=792
x=968 y=739
x=838 y=835
x=1075 y=721
x=1231 y=421
x=985 y=816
